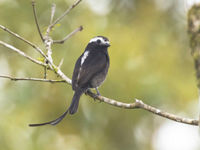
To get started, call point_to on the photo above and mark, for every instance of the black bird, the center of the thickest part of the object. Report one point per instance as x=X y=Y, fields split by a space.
x=90 y=71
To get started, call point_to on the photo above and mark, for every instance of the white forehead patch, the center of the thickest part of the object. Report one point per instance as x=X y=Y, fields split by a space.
x=99 y=38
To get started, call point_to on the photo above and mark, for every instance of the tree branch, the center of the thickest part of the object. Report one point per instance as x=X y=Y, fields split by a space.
x=24 y=40
x=61 y=62
x=140 y=104
x=68 y=36
x=32 y=79
x=22 y=53
x=36 y=20
x=53 y=9
x=63 y=15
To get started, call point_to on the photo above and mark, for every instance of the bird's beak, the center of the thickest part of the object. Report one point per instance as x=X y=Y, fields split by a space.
x=108 y=44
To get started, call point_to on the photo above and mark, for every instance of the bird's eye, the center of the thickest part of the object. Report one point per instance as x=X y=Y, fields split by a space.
x=98 y=41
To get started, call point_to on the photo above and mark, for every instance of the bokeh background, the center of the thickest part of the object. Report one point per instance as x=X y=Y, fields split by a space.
x=150 y=60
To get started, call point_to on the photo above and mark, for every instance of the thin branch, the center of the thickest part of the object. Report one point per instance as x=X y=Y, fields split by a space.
x=21 y=53
x=53 y=9
x=68 y=36
x=61 y=62
x=58 y=72
x=45 y=72
x=63 y=15
x=140 y=104
x=48 y=42
x=167 y=115
x=36 y=20
x=21 y=38
x=32 y=79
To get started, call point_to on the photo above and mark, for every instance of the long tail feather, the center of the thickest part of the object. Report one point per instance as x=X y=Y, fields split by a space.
x=75 y=101
x=72 y=109
x=53 y=122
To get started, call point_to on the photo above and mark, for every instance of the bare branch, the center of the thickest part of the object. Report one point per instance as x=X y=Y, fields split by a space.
x=32 y=79
x=36 y=20
x=63 y=15
x=142 y=105
x=22 y=53
x=68 y=36
x=45 y=72
x=164 y=114
x=60 y=74
x=21 y=38
x=61 y=62
x=53 y=9
x=48 y=42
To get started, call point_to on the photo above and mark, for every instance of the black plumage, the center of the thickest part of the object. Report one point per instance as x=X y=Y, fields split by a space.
x=89 y=72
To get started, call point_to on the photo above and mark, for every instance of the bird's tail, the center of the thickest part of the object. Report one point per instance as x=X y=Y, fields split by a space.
x=75 y=101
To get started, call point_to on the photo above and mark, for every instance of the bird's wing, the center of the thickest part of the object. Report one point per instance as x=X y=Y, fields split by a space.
x=92 y=65
x=76 y=73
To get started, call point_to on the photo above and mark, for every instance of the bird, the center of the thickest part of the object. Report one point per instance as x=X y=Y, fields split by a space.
x=90 y=71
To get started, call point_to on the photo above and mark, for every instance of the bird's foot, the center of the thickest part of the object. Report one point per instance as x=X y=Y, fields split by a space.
x=95 y=96
x=88 y=91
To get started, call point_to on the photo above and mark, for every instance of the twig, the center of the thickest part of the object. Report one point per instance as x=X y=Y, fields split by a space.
x=63 y=15
x=60 y=73
x=61 y=62
x=164 y=114
x=53 y=9
x=21 y=38
x=36 y=20
x=68 y=36
x=32 y=79
x=45 y=72
x=48 y=42
x=21 y=53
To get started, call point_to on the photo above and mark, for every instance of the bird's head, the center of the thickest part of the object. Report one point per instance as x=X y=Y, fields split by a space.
x=99 y=41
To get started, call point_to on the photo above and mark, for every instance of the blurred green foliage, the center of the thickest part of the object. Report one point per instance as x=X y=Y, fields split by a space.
x=150 y=60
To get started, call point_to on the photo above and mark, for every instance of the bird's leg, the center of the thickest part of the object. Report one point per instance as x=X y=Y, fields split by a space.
x=98 y=93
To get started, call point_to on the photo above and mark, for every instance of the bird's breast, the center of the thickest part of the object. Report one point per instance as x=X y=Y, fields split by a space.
x=99 y=78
